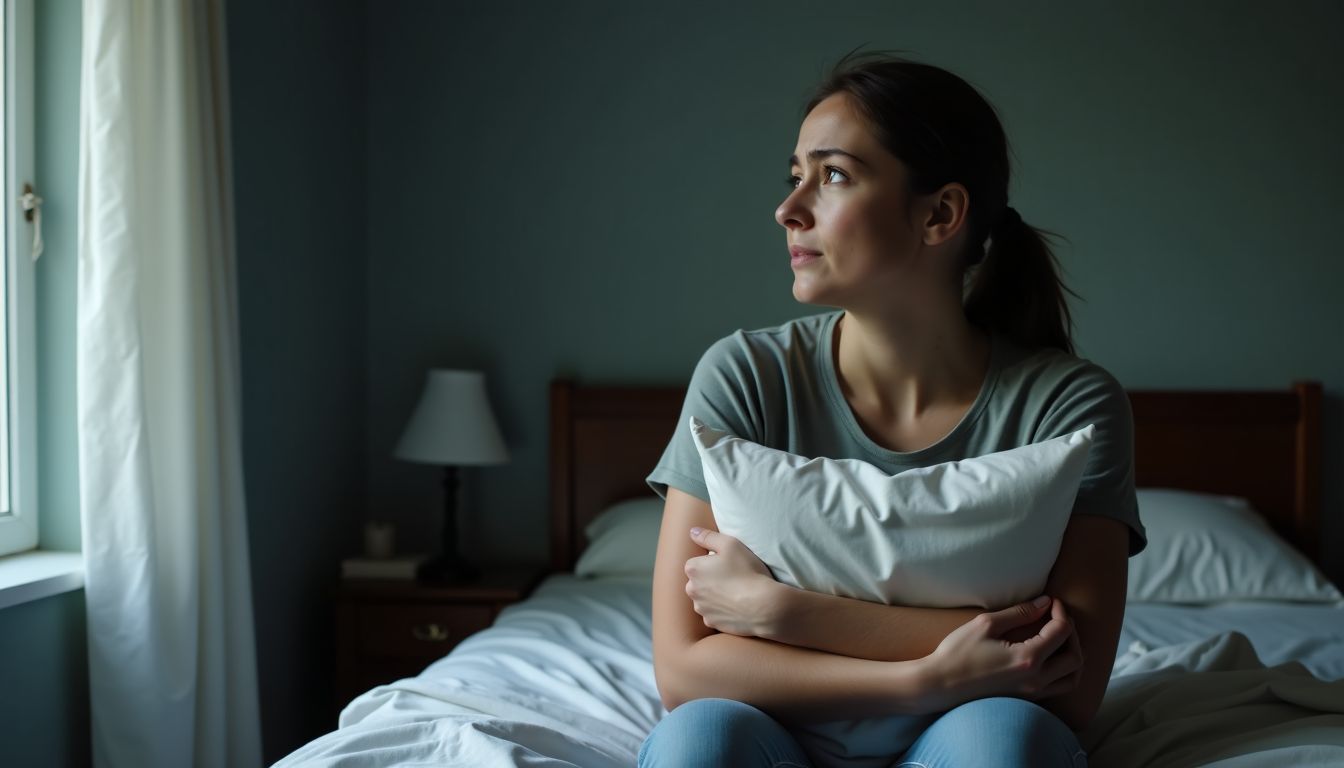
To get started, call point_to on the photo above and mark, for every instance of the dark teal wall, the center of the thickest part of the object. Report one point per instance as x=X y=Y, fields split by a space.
x=44 y=711
x=298 y=83
x=588 y=188
x=44 y=673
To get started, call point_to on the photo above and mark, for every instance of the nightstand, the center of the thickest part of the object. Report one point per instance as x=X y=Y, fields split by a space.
x=387 y=629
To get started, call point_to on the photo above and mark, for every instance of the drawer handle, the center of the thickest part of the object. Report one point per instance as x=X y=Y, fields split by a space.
x=429 y=633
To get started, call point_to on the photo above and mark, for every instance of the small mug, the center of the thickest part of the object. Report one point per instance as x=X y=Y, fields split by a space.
x=378 y=538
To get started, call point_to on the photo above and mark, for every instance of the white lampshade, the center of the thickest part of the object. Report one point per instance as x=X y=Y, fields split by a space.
x=453 y=424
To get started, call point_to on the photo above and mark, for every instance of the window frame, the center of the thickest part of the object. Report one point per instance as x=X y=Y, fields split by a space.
x=19 y=528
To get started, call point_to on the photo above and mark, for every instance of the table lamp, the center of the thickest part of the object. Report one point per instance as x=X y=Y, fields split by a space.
x=452 y=426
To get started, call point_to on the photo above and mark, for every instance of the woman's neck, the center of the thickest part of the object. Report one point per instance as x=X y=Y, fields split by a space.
x=900 y=367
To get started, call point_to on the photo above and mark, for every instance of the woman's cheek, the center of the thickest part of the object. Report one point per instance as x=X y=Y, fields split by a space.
x=863 y=224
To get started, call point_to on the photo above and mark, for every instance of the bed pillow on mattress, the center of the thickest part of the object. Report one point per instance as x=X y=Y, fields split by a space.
x=983 y=531
x=622 y=539
x=1204 y=548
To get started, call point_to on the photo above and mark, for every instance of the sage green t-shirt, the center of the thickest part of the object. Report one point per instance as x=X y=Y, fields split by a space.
x=778 y=387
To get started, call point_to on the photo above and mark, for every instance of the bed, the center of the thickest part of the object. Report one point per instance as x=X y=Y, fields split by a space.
x=1233 y=679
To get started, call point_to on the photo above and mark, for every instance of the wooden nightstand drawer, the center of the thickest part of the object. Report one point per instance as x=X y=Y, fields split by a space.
x=418 y=631
x=388 y=629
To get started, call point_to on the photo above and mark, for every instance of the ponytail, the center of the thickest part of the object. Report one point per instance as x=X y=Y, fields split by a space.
x=1016 y=287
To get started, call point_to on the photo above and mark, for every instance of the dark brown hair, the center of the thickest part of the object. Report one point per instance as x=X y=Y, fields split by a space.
x=945 y=131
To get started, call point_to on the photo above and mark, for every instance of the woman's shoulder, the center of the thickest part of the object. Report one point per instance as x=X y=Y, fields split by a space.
x=770 y=348
x=1049 y=368
x=1061 y=388
x=746 y=379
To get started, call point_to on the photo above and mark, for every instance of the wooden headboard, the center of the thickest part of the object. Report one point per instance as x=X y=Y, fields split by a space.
x=1261 y=445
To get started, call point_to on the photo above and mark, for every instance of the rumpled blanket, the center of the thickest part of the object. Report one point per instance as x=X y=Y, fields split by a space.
x=1212 y=702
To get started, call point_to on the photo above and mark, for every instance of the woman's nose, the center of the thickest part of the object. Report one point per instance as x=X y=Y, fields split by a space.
x=793 y=213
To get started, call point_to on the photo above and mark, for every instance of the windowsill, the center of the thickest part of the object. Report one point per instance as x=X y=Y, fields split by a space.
x=33 y=575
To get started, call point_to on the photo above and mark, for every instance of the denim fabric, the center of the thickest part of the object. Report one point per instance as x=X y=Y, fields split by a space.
x=996 y=732
x=714 y=732
x=987 y=733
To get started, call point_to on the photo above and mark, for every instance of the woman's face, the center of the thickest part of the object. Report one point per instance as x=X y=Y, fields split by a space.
x=846 y=216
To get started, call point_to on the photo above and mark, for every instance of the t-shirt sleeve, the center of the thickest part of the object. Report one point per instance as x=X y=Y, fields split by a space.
x=724 y=394
x=1094 y=396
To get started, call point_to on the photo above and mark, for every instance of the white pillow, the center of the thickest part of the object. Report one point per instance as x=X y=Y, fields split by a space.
x=983 y=531
x=1205 y=548
x=622 y=539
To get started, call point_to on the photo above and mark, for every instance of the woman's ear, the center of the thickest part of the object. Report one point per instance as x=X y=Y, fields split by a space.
x=945 y=213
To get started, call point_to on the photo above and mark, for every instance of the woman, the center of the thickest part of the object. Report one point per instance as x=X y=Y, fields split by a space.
x=952 y=340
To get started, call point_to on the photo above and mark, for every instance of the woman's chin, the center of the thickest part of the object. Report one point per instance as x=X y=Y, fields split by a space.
x=805 y=292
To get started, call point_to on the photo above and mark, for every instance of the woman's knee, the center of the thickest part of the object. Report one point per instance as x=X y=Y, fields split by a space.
x=718 y=732
x=712 y=715
x=999 y=731
x=1005 y=708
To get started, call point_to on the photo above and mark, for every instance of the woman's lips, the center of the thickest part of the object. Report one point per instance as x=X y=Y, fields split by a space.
x=800 y=256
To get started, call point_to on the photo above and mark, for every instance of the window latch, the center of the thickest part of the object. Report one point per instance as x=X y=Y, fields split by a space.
x=32 y=212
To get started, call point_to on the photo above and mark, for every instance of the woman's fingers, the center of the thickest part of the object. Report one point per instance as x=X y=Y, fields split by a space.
x=713 y=541
x=1061 y=666
x=1061 y=672
x=1015 y=616
x=975 y=660
x=1054 y=634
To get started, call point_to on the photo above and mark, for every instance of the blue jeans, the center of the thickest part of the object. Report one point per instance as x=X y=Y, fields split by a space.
x=983 y=734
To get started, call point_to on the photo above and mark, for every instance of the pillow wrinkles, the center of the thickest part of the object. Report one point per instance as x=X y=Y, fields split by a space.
x=981 y=531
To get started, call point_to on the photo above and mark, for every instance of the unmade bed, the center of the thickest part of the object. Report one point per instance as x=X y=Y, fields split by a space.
x=1240 y=664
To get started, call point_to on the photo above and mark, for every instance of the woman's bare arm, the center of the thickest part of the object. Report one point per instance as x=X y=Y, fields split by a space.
x=692 y=661
x=860 y=628
x=1091 y=577
x=735 y=594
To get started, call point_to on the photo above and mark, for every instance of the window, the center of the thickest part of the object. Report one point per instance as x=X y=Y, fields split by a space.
x=18 y=401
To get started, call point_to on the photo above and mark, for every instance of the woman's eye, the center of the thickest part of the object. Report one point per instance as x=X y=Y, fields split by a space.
x=832 y=176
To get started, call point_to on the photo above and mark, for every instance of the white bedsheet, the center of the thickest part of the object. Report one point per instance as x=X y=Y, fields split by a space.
x=1310 y=633
x=1213 y=702
x=565 y=678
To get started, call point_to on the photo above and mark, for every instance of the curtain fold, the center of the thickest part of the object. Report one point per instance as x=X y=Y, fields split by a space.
x=172 y=667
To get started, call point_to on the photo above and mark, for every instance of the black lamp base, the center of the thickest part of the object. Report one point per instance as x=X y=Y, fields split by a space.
x=448 y=567
x=442 y=569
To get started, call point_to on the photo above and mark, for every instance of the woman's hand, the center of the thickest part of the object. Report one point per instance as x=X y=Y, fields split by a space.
x=976 y=660
x=730 y=587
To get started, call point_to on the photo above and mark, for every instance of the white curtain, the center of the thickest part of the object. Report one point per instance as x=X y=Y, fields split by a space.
x=172 y=667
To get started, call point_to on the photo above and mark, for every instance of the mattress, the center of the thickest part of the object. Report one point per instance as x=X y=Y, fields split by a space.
x=565 y=678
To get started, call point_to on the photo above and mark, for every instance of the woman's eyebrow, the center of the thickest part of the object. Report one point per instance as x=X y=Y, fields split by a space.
x=818 y=154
